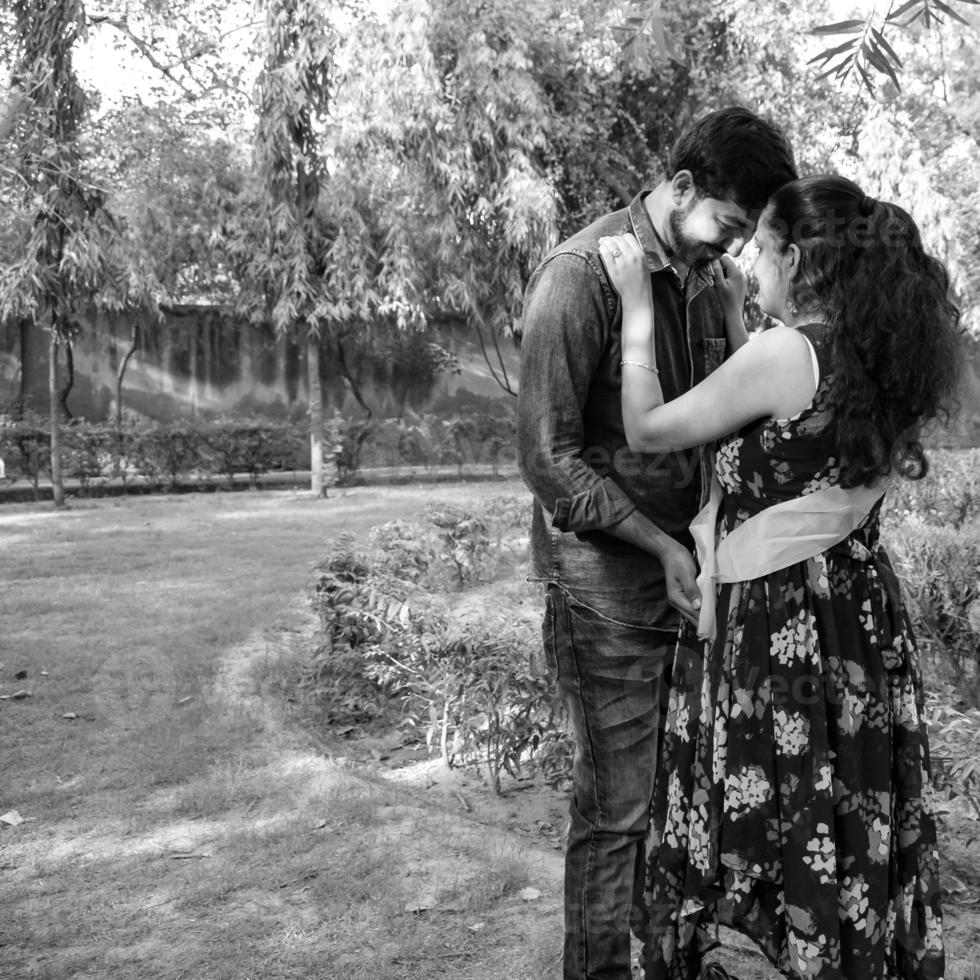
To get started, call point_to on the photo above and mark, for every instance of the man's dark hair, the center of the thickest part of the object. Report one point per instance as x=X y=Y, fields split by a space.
x=734 y=154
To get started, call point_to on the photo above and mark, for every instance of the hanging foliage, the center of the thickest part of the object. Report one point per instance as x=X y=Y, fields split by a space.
x=65 y=252
x=867 y=52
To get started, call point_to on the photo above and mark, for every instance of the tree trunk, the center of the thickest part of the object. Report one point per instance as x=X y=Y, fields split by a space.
x=504 y=382
x=25 y=353
x=69 y=379
x=195 y=389
x=57 y=484
x=355 y=390
x=120 y=374
x=306 y=193
x=317 y=484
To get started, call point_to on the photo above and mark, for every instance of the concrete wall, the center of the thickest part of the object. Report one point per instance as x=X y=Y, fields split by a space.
x=203 y=361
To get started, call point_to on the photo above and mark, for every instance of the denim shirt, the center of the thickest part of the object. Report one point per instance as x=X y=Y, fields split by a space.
x=572 y=447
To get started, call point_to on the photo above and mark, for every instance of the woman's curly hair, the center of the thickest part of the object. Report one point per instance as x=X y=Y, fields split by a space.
x=894 y=330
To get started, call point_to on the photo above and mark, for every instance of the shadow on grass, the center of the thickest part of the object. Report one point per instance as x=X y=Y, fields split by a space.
x=299 y=867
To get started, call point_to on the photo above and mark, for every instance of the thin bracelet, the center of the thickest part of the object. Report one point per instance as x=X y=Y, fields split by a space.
x=648 y=367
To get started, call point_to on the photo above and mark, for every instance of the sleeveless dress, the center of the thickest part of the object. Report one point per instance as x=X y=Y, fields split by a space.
x=794 y=798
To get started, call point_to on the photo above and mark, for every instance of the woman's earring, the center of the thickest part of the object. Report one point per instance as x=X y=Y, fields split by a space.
x=794 y=310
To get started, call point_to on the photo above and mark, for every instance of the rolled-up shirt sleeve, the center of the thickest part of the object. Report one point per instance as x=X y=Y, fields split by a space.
x=566 y=331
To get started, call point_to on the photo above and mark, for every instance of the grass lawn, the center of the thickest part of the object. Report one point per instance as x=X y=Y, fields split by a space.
x=181 y=820
x=180 y=825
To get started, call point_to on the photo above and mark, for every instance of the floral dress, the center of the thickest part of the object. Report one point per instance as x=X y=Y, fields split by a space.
x=794 y=803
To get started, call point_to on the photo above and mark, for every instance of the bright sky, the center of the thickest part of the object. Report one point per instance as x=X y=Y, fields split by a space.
x=118 y=71
x=113 y=72
x=110 y=63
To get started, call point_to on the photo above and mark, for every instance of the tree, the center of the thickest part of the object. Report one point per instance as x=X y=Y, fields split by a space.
x=172 y=148
x=918 y=145
x=476 y=147
x=68 y=255
x=417 y=159
x=171 y=179
x=321 y=246
x=295 y=89
x=914 y=144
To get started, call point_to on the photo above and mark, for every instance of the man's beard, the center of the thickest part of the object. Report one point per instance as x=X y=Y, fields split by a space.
x=688 y=250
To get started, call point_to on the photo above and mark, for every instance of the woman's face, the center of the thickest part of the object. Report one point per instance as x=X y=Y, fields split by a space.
x=772 y=271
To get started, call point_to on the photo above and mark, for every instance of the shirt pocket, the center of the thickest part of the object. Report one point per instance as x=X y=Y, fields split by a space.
x=714 y=353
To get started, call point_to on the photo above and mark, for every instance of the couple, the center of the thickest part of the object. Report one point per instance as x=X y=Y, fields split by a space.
x=786 y=793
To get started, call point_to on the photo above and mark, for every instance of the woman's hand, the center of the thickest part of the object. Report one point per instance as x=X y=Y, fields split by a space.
x=626 y=265
x=730 y=288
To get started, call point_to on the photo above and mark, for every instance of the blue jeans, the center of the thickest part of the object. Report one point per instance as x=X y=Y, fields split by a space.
x=609 y=678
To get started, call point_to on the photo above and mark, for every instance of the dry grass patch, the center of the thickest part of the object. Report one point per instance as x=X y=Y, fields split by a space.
x=331 y=874
x=178 y=826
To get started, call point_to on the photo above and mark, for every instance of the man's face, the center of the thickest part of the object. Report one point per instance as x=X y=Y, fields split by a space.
x=705 y=228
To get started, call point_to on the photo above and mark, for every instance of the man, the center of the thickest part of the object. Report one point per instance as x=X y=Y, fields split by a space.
x=609 y=533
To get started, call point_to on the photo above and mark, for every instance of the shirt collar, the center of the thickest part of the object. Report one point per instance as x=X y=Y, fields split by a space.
x=657 y=258
x=646 y=235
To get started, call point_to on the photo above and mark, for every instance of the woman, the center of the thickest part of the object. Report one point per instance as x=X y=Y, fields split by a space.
x=794 y=799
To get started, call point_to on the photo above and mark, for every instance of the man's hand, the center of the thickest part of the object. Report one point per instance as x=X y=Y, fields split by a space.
x=681 y=576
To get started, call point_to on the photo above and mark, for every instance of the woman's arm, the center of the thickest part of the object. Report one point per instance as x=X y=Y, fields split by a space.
x=770 y=377
x=626 y=264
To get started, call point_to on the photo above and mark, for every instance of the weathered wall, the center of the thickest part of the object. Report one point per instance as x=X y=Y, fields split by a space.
x=202 y=361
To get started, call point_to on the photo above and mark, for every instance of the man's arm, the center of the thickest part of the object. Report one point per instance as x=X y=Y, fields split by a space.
x=680 y=573
x=565 y=331
x=566 y=326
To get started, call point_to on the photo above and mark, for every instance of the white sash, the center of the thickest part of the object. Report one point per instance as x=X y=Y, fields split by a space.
x=775 y=538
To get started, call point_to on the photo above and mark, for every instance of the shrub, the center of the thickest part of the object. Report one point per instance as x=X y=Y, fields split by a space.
x=405 y=549
x=382 y=449
x=954 y=748
x=472 y=682
x=948 y=496
x=482 y=438
x=427 y=440
x=940 y=569
x=508 y=516
x=252 y=446
x=387 y=639
x=466 y=543
x=163 y=453
x=88 y=451
x=167 y=451
x=157 y=452
x=345 y=439
x=345 y=598
x=25 y=445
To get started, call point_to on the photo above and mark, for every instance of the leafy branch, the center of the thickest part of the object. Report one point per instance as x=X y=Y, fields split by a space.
x=867 y=52
x=646 y=34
